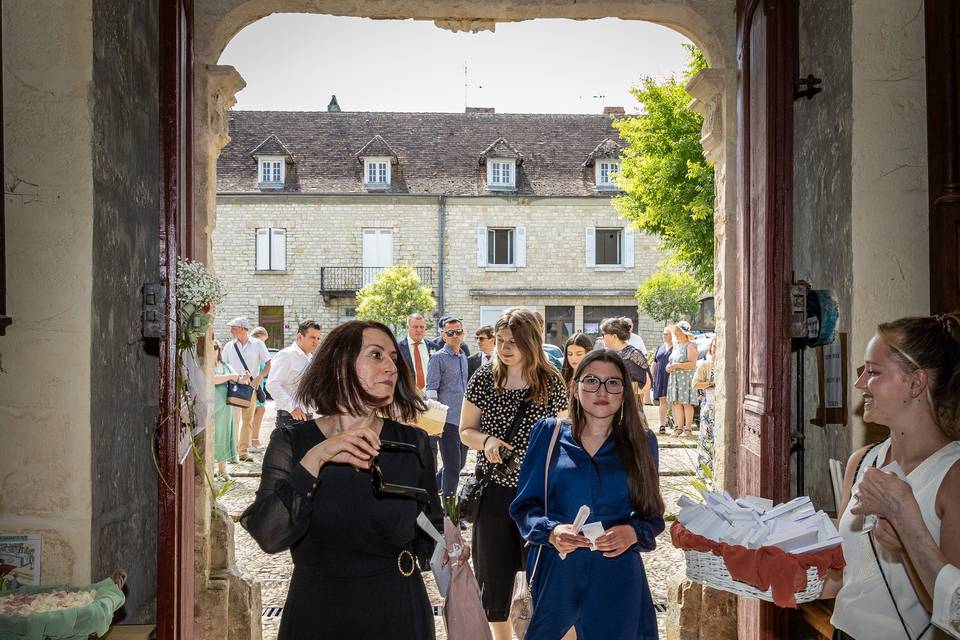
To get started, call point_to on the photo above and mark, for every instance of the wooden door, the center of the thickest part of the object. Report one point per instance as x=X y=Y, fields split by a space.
x=175 y=504
x=765 y=164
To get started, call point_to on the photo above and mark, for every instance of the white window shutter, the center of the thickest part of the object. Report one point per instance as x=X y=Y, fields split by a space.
x=520 y=246
x=263 y=249
x=629 y=240
x=591 y=246
x=481 y=246
x=278 y=249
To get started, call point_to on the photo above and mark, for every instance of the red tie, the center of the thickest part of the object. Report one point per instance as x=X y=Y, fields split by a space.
x=418 y=365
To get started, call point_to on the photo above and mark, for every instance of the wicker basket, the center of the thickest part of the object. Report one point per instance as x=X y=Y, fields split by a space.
x=710 y=570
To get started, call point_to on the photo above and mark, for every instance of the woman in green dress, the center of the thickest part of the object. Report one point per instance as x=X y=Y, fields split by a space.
x=225 y=433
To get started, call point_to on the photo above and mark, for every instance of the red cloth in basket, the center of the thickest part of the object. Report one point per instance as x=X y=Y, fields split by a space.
x=765 y=568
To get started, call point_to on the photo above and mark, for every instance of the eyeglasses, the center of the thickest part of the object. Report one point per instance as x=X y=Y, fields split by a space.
x=483 y=338
x=453 y=332
x=591 y=384
x=382 y=487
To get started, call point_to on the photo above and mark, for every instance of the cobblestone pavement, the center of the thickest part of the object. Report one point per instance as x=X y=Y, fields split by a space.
x=677 y=460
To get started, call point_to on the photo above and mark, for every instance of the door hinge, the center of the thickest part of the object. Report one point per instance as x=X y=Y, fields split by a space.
x=154 y=302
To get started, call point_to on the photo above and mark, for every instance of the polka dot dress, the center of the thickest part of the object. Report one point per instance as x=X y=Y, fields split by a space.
x=498 y=408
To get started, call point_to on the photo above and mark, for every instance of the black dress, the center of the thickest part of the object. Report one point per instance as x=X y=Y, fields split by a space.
x=347 y=543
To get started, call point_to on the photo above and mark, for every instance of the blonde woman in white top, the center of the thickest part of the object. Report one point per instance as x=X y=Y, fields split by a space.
x=911 y=384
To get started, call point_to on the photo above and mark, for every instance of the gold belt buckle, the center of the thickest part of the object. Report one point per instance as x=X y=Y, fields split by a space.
x=413 y=564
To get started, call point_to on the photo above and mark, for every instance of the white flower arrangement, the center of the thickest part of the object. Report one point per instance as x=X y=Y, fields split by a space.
x=198 y=291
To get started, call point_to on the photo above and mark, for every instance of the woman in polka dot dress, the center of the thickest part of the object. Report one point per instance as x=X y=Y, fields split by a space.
x=518 y=381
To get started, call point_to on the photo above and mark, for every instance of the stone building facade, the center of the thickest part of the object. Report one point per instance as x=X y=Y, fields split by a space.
x=299 y=245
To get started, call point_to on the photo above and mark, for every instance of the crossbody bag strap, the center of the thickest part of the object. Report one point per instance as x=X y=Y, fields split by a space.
x=546 y=476
x=517 y=420
x=240 y=355
x=876 y=556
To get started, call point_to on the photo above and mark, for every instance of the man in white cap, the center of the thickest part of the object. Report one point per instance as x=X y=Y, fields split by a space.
x=245 y=353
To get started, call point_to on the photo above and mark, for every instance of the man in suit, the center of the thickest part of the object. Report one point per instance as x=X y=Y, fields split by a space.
x=416 y=349
x=485 y=344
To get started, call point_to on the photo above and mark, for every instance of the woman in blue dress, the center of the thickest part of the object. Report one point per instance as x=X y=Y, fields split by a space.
x=604 y=458
x=661 y=377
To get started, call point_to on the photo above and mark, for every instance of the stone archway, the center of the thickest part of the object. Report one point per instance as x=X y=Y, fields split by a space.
x=710 y=24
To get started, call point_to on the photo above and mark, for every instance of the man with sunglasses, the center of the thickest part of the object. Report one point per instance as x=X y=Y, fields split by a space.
x=447 y=378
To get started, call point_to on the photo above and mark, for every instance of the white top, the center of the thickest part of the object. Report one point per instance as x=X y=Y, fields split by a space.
x=863 y=608
x=637 y=342
x=285 y=371
x=946 y=600
x=254 y=352
x=424 y=359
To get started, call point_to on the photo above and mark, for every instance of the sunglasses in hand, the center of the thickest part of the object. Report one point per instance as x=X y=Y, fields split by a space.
x=383 y=488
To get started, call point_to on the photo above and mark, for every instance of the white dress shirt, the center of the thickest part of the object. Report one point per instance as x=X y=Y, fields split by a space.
x=254 y=352
x=637 y=342
x=946 y=600
x=285 y=371
x=424 y=358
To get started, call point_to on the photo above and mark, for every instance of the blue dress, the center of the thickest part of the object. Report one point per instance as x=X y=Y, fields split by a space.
x=660 y=376
x=603 y=598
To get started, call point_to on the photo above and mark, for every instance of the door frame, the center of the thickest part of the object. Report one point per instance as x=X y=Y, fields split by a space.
x=175 y=503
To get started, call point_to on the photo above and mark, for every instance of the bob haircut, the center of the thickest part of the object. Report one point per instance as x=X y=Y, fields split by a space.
x=629 y=435
x=330 y=382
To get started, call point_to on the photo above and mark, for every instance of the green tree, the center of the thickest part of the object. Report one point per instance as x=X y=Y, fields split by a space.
x=668 y=295
x=392 y=296
x=668 y=184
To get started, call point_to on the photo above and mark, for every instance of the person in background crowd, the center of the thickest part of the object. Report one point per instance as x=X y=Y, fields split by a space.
x=259 y=333
x=245 y=354
x=484 y=336
x=577 y=346
x=885 y=495
x=681 y=366
x=287 y=366
x=553 y=353
x=910 y=384
x=519 y=387
x=615 y=333
x=415 y=349
x=635 y=340
x=607 y=459
x=661 y=376
x=343 y=492
x=225 y=423
x=703 y=380
x=439 y=341
x=447 y=383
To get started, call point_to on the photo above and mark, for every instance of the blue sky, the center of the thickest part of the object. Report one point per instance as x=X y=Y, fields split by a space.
x=296 y=61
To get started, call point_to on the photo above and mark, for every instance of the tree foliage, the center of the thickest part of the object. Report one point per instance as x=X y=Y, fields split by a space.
x=668 y=184
x=669 y=295
x=392 y=296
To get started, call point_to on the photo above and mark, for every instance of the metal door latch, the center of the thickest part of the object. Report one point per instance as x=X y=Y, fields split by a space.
x=154 y=300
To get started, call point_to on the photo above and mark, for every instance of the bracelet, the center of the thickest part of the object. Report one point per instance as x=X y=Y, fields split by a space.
x=483 y=447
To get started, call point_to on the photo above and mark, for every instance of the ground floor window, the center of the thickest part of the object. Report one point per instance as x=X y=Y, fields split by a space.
x=559 y=322
x=593 y=316
x=271 y=319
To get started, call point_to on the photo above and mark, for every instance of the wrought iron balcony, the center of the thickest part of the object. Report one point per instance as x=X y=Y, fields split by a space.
x=346 y=281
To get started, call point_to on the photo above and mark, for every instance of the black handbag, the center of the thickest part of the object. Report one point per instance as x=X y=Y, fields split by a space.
x=470 y=492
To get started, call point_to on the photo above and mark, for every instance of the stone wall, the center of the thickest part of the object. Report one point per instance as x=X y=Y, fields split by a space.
x=45 y=357
x=325 y=231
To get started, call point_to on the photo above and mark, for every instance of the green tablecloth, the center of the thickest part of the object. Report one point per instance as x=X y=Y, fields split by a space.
x=66 y=624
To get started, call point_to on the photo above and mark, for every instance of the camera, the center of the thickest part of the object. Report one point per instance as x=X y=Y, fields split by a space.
x=509 y=463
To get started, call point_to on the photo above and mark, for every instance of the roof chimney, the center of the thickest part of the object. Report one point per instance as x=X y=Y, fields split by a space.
x=480 y=110
x=614 y=111
x=333 y=106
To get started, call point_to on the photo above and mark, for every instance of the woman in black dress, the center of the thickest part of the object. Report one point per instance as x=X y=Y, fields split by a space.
x=343 y=493
x=519 y=384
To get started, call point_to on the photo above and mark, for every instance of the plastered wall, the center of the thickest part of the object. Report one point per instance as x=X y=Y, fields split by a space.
x=45 y=356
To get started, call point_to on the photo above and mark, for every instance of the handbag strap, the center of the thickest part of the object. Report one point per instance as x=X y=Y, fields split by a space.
x=240 y=355
x=546 y=476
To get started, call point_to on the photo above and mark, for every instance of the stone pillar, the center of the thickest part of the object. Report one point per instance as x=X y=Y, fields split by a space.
x=226 y=605
x=714 y=93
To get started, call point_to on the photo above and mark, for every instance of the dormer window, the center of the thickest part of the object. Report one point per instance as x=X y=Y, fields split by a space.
x=501 y=173
x=605 y=170
x=376 y=172
x=272 y=170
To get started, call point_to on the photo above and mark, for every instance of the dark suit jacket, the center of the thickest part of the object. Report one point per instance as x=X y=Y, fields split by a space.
x=404 y=345
x=473 y=363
